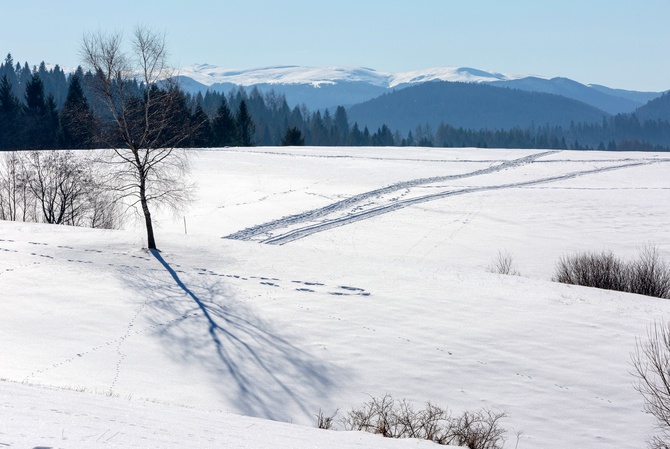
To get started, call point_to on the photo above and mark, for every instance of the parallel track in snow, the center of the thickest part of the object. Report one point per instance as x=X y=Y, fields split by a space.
x=348 y=211
x=254 y=231
x=334 y=223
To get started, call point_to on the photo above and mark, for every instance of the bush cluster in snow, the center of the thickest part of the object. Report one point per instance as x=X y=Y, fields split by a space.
x=648 y=275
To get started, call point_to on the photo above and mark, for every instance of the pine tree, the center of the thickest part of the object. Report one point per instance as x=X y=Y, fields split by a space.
x=10 y=111
x=245 y=126
x=356 y=136
x=34 y=123
x=224 y=132
x=341 y=126
x=203 y=136
x=8 y=70
x=293 y=137
x=35 y=95
x=24 y=75
x=76 y=119
x=50 y=122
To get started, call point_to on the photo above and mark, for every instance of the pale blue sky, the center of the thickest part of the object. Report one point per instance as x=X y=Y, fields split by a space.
x=618 y=43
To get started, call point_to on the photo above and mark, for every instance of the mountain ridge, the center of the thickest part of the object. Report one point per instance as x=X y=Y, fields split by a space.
x=328 y=87
x=208 y=75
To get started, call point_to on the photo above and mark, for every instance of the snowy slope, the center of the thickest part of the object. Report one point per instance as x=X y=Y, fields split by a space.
x=314 y=278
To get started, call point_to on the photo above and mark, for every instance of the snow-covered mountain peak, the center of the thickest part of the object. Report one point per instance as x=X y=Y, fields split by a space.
x=457 y=74
x=208 y=75
x=316 y=76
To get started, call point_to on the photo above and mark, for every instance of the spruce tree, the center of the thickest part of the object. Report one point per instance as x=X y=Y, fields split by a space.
x=8 y=70
x=35 y=126
x=202 y=136
x=224 y=128
x=35 y=94
x=293 y=137
x=341 y=124
x=10 y=111
x=76 y=119
x=245 y=126
x=50 y=122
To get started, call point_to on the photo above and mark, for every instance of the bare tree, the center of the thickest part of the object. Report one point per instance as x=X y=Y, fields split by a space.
x=15 y=200
x=651 y=363
x=60 y=184
x=143 y=127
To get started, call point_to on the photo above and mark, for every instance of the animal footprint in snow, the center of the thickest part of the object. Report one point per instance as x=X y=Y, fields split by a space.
x=353 y=289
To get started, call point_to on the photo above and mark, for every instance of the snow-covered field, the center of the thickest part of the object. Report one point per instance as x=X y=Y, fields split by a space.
x=315 y=278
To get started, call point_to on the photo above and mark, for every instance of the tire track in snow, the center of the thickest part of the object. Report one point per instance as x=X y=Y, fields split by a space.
x=379 y=210
x=254 y=231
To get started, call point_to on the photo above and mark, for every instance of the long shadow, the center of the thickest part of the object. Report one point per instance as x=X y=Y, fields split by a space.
x=261 y=373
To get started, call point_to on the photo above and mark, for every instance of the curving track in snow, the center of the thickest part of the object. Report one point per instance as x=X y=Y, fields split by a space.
x=334 y=223
x=378 y=201
x=348 y=203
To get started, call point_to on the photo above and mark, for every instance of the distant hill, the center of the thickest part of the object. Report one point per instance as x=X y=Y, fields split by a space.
x=656 y=109
x=635 y=96
x=468 y=105
x=608 y=101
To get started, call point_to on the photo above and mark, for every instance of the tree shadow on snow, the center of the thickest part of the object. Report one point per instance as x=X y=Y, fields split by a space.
x=260 y=372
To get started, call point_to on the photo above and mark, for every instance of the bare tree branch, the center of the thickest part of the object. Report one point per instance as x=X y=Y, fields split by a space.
x=651 y=363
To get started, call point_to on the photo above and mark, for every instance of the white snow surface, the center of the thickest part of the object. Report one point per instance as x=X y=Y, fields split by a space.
x=316 y=278
x=208 y=75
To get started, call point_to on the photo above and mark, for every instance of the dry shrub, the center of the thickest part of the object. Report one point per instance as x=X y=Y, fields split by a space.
x=503 y=264
x=649 y=275
x=400 y=419
x=325 y=421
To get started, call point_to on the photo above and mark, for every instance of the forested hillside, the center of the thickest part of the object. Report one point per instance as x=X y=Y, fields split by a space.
x=45 y=108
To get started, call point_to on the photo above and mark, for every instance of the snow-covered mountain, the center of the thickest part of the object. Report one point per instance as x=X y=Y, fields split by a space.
x=210 y=75
x=327 y=87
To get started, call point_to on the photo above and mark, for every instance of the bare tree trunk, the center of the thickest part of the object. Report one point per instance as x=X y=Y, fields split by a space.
x=151 y=241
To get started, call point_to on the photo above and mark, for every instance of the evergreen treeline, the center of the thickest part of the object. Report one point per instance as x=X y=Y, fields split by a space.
x=45 y=109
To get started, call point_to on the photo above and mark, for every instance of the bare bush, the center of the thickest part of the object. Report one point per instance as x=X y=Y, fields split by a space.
x=400 y=419
x=503 y=264
x=651 y=363
x=325 y=421
x=648 y=275
x=478 y=430
x=602 y=270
